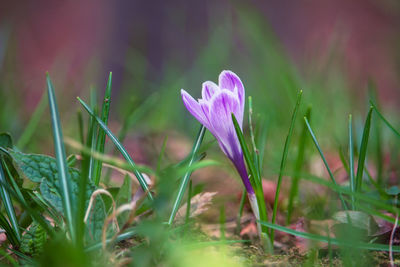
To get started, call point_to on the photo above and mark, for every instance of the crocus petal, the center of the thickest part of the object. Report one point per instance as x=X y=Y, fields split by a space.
x=194 y=108
x=230 y=81
x=209 y=89
x=223 y=105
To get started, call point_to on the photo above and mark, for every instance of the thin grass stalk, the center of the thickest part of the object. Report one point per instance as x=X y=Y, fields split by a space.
x=80 y=127
x=189 y=198
x=253 y=175
x=186 y=177
x=253 y=141
x=390 y=126
x=121 y=149
x=324 y=160
x=363 y=151
x=283 y=160
x=294 y=189
x=240 y=211
x=8 y=205
x=83 y=181
x=333 y=241
x=351 y=163
x=92 y=133
x=101 y=137
x=61 y=160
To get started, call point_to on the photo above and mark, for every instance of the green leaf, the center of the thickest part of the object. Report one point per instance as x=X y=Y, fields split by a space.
x=255 y=180
x=121 y=148
x=43 y=169
x=333 y=241
x=363 y=151
x=283 y=160
x=294 y=189
x=61 y=160
x=101 y=138
x=324 y=160
x=357 y=219
x=384 y=119
x=11 y=234
x=7 y=202
x=186 y=177
x=33 y=240
x=5 y=140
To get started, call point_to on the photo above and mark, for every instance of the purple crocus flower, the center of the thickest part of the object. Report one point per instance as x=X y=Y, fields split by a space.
x=214 y=111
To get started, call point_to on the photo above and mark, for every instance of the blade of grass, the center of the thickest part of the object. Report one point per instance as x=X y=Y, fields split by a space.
x=240 y=212
x=351 y=163
x=363 y=151
x=61 y=159
x=87 y=160
x=189 y=198
x=384 y=119
x=32 y=212
x=324 y=160
x=333 y=241
x=294 y=189
x=253 y=174
x=92 y=133
x=12 y=236
x=283 y=160
x=101 y=137
x=80 y=127
x=256 y=159
x=186 y=177
x=121 y=149
x=8 y=205
x=33 y=123
x=378 y=203
x=120 y=237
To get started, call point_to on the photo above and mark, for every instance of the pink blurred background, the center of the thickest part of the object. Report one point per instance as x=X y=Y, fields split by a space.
x=80 y=41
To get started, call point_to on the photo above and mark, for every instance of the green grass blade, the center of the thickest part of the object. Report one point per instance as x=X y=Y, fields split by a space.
x=283 y=160
x=101 y=138
x=256 y=159
x=121 y=149
x=294 y=189
x=253 y=174
x=384 y=119
x=92 y=133
x=363 y=151
x=80 y=127
x=61 y=159
x=8 y=206
x=240 y=211
x=333 y=241
x=186 y=177
x=189 y=198
x=33 y=123
x=120 y=237
x=324 y=160
x=351 y=163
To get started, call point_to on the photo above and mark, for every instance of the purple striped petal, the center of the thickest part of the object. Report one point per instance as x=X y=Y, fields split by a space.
x=209 y=89
x=230 y=81
x=223 y=105
x=194 y=108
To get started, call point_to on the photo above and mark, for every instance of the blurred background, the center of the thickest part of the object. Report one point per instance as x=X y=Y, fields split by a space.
x=330 y=49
